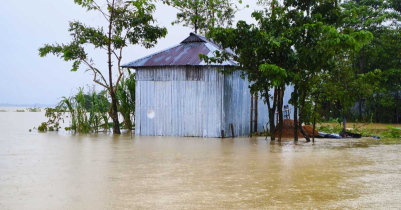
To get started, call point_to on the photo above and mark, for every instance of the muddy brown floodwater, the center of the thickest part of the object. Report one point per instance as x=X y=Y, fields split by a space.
x=64 y=171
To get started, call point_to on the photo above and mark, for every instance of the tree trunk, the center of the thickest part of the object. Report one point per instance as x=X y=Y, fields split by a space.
x=280 y=111
x=271 y=110
x=296 y=115
x=314 y=121
x=345 y=126
x=360 y=109
x=301 y=118
x=116 y=124
x=328 y=110
x=396 y=107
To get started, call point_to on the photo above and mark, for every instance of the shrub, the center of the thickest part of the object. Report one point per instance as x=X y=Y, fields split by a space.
x=392 y=132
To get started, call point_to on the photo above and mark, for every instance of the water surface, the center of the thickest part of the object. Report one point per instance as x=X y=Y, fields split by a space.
x=100 y=171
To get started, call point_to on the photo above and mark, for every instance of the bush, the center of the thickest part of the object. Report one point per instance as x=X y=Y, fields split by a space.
x=42 y=127
x=392 y=132
x=329 y=129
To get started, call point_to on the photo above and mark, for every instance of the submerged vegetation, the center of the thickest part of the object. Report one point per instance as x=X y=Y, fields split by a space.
x=88 y=112
x=126 y=100
x=34 y=109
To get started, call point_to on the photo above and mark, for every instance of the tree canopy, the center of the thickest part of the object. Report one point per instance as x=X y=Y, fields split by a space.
x=129 y=23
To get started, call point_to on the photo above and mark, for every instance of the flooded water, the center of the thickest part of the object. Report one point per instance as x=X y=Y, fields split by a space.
x=64 y=171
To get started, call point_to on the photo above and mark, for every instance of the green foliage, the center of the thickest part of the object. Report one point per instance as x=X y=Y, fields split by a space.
x=129 y=23
x=204 y=14
x=34 y=109
x=82 y=119
x=20 y=110
x=2 y=110
x=126 y=98
x=305 y=44
x=42 y=127
x=329 y=129
x=375 y=75
x=54 y=118
x=392 y=132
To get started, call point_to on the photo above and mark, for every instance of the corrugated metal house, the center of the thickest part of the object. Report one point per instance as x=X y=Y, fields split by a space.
x=188 y=97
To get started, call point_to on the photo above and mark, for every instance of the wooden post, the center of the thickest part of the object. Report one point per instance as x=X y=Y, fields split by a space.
x=232 y=130
x=345 y=126
x=256 y=114
x=250 y=128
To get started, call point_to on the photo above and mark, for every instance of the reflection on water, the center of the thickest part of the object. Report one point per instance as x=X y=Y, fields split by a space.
x=101 y=171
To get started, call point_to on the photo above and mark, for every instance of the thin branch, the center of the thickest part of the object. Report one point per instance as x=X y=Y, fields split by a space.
x=101 y=11
x=119 y=61
x=96 y=81
x=95 y=71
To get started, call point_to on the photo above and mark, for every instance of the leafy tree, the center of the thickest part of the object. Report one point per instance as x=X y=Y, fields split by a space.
x=264 y=55
x=129 y=23
x=202 y=14
x=291 y=44
x=382 y=19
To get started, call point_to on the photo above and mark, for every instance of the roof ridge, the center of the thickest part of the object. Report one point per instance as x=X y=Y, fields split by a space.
x=156 y=53
x=185 y=53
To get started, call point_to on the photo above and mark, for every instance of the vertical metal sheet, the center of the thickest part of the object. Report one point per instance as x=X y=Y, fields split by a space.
x=237 y=107
x=185 y=100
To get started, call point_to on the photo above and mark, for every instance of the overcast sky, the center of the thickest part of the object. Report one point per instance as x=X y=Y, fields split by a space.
x=26 y=25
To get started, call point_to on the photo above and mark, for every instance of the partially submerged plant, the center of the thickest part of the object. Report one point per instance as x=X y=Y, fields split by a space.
x=34 y=109
x=42 y=127
x=86 y=117
x=392 y=132
x=126 y=100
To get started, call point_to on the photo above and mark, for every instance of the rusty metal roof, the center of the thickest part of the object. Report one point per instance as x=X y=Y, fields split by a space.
x=184 y=54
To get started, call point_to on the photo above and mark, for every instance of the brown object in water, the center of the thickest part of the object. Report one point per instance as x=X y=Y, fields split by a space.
x=288 y=130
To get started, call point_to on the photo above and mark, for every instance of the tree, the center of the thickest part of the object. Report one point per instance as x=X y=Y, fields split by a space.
x=263 y=53
x=382 y=19
x=291 y=44
x=203 y=14
x=129 y=23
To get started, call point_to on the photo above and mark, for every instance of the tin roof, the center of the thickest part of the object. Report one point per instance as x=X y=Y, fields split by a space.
x=184 y=54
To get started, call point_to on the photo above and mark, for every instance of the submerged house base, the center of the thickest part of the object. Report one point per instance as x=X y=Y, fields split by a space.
x=189 y=99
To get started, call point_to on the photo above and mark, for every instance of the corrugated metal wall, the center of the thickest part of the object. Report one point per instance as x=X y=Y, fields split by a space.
x=187 y=101
x=237 y=105
x=195 y=101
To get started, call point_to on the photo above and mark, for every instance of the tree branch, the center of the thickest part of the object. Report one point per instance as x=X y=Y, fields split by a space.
x=95 y=71
x=101 y=11
x=119 y=61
